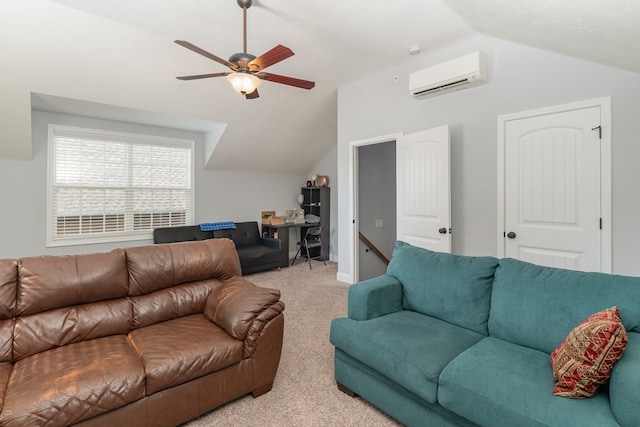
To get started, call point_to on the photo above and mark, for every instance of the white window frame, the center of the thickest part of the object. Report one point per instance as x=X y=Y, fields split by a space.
x=117 y=236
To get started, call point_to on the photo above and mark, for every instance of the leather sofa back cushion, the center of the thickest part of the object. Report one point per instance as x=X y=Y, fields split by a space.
x=50 y=282
x=537 y=306
x=6 y=341
x=55 y=328
x=8 y=279
x=171 y=303
x=245 y=234
x=152 y=268
x=453 y=288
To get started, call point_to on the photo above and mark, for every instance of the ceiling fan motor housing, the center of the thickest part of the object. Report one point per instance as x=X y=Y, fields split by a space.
x=242 y=60
x=245 y=3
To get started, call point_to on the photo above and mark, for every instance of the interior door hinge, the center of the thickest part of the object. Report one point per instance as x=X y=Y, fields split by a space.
x=599 y=131
x=600 y=223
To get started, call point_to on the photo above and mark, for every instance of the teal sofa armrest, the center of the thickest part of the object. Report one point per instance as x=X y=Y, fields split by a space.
x=625 y=383
x=374 y=297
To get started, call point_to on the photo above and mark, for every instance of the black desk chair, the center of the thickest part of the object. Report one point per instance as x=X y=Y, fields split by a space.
x=310 y=241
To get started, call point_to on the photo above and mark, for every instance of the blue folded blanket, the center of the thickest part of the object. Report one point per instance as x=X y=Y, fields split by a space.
x=224 y=225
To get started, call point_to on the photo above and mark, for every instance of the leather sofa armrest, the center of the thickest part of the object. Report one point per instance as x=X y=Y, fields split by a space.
x=236 y=306
x=374 y=297
x=625 y=383
x=272 y=243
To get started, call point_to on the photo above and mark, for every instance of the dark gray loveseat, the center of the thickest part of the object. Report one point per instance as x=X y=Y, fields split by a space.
x=255 y=253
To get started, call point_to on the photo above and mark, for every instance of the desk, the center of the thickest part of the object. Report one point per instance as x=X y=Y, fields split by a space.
x=282 y=233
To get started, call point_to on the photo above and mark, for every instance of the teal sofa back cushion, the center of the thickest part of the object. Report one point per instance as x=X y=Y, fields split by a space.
x=453 y=288
x=537 y=306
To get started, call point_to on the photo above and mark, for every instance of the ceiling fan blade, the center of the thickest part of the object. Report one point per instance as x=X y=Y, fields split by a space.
x=252 y=95
x=202 y=76
x=275 y=55
x=276 y=78
x=203 y=52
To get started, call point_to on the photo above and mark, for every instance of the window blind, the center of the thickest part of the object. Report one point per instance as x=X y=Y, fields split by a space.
x=107 y=186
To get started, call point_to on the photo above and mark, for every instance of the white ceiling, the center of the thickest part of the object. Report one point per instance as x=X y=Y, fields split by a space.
x=336 y=42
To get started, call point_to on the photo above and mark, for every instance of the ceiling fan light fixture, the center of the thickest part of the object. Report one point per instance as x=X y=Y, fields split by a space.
x=244 y=83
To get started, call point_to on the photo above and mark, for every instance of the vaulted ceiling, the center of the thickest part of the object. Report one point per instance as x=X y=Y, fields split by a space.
x=127 y=48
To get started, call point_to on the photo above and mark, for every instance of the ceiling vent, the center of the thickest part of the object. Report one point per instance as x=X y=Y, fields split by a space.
x=460 y=73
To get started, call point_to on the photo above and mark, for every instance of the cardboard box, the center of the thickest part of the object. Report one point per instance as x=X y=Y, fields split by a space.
x=270 y=218
x=266 y=216
x=276 y=220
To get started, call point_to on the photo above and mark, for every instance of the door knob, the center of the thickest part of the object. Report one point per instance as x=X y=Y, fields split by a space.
x=442 y=230
x=511 y=235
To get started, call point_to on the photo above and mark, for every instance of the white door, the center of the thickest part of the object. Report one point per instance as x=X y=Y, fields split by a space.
x=552 y=189
x=423 y=189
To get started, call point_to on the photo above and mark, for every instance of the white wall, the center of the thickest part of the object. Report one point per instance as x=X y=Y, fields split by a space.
x=220 y=196
x=521 y=78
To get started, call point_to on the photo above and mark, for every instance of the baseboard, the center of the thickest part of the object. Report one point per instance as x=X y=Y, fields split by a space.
x=343 y=277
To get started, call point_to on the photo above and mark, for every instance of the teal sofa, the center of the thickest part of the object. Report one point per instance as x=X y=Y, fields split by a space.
x=449 y=340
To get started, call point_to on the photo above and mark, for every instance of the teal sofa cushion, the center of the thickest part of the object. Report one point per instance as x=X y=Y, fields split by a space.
x=623 y=384
x=391 y=397
x=406 y=347
x=453 y=288
x=537 y=306
x=497 y=383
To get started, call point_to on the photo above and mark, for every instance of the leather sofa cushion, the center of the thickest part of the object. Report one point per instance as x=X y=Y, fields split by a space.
x=72 y=383
x=49 y=282
x=6 y=340
x=235 y=306
x=170 y=303
x=407 y=347
x=55 y=328
x=183 y=349
x=8 y=281
x=5 y=373
x=496 y=382
x=453 y=288
x=156 y=267
x=8 y=284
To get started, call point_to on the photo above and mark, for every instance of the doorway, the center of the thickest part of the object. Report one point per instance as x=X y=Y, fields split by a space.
x=376 y=207
x=422 y=199
x=554 y=186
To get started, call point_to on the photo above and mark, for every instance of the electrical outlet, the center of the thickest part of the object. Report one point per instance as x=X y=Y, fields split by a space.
x=378 y=223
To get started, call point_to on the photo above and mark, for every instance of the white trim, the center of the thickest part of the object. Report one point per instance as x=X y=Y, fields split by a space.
x=353 y=201
x=605 y=169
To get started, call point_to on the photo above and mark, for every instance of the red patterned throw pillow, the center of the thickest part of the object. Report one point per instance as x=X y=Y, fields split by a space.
x=585 y=359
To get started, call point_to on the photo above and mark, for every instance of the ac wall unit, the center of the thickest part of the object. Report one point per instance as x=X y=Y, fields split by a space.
x=460 y=73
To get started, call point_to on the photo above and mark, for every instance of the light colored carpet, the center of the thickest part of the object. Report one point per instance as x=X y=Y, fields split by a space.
x=304 y=392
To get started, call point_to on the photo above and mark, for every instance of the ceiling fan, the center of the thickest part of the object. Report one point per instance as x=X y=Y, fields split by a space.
x=246 y=70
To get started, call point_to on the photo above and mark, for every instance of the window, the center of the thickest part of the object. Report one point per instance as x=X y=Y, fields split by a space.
x=108 y=186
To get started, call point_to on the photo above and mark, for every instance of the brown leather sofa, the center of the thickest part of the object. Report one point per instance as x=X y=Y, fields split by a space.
x=147 y=336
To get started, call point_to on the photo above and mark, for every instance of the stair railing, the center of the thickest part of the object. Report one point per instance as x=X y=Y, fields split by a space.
x=374 y=248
